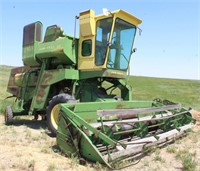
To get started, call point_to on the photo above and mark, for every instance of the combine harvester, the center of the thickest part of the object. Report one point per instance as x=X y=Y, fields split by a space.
x=79 y=85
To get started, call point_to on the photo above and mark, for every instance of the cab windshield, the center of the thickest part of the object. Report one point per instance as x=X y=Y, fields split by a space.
x=121 y=45
x=102 y=37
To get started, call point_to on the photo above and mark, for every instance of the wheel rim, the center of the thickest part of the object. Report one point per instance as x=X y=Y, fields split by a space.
x=54 y=116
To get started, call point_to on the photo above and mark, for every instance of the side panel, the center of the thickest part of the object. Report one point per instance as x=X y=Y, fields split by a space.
x=48 y=78
x=61 y=51
x=87 y=34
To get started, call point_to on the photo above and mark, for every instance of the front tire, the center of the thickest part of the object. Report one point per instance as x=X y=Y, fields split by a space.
x=53 y=110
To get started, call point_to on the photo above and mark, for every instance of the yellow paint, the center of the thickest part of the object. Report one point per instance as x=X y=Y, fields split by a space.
x=88 y=32
x=54 y=116
x=87 y=23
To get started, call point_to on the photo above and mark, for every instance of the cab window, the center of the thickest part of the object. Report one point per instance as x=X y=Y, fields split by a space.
x=86 y=48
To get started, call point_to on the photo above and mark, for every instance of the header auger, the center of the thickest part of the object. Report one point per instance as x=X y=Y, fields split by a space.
x=79 y=85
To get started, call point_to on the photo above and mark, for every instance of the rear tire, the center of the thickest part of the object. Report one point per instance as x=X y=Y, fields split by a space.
x=8 y=115
x=53 y=110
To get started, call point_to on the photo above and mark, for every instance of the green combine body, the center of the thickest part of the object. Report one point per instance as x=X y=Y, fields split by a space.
x=79 y=86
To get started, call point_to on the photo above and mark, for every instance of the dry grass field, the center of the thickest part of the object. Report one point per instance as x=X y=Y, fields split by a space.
x=26 y=145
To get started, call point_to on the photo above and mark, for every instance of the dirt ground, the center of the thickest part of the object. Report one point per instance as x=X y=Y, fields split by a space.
x=26 y=145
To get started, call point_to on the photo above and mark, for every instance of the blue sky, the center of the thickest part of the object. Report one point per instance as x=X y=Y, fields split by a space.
x=168 y=47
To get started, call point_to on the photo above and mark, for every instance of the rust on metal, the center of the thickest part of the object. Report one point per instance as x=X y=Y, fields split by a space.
x=12 y=87
x=114 y=74
x=120 y=112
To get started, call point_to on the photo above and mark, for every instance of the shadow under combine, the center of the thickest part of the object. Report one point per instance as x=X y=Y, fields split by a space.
x=33 y=124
